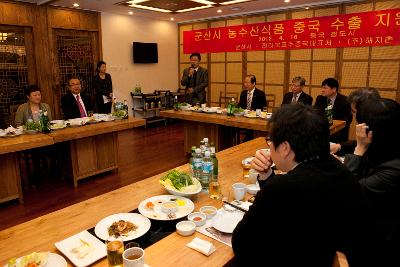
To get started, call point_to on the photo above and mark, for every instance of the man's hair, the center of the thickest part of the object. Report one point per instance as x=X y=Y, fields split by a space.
x=360 y=95
x=303 y=128
x=299 y=79
x=332 y=83
x=31 y=88
x=195 y=54
x=252 y=77
x=382 y=116
x=73 y=77
x=101 y=62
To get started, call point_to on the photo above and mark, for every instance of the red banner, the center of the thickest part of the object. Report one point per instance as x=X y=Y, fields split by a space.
x=376 y=28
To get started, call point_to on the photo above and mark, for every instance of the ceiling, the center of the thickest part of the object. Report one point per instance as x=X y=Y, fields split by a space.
x=249 y=7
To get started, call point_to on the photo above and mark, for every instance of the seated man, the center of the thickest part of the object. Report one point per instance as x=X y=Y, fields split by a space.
x=74 y=104
x=341 y=107
x=297 y=95
x=252 y=98
x=303 y=217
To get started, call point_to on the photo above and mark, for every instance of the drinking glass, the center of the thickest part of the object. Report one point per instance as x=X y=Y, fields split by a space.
x=214 y=189
x=115 y=249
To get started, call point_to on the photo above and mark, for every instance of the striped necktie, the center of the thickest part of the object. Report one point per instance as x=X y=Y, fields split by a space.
x=249 y=96
x=294 y=99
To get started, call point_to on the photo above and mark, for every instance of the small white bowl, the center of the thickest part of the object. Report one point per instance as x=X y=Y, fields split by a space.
x=185 y=228
x=169 y=207
x=209 y=211
x=252 y=189
x=198 y=218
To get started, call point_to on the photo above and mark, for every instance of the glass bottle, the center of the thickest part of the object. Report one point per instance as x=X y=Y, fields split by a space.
x=231 y=106
x=193 y=153
x=214 y=186
x=198 y=165
x=44 y=121
x=207 y=171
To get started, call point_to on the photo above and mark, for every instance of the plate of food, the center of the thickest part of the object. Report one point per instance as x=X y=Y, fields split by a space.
x=38 y=259
x=152 y=207
x=127 y=225
x=251 y=114
x=82 y=249
x=12 y=132
x=180 y=183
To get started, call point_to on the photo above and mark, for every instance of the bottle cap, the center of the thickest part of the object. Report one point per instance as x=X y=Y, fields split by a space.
x=207 y=153
x=198 y=150
x=205 y=139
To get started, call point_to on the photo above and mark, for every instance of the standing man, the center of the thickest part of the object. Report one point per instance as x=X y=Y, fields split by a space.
x=74 y=104
x=252 y=98
x=297 y=95
x=195 y=79
x=341 y=107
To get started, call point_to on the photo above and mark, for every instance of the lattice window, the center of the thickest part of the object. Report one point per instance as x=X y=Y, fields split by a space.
x=13 y=75
x=75 y=57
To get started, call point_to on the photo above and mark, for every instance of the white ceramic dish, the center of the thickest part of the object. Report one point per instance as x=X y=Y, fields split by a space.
x=53 y=260
x=185 y=206
x=143 y=225
x=209 y=211
x=252 y=189
x=198 y=222
x=169 y=207
x=185 y=228
x=183 y=194
x=226 y=221
x=96 y=250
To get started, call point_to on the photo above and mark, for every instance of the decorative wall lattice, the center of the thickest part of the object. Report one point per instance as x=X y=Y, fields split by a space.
x=75 y=57
x=13 y=75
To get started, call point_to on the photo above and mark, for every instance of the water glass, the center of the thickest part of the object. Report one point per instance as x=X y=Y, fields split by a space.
x=215 y=189
x=239 y=191
x=115 y=249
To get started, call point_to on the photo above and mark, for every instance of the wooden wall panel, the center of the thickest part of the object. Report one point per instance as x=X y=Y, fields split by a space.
x=234 y=88
x=302 y=14
x=276 y=17
x=300 y=69
x=255 y=56
x=256 y=69
x=274 y=72
x=322 y=70
x=324 y=54
x=353 y=53
x=215 y=92
x=300 y=54
x=385 y=52
x=383 y=74
x=200 y=26
x=16 y=14
x=275 y=55
x=218 y=57
x=234 y=72
x=326 y=11
x=358 y=8
x=234 y=56
x=354 y=74
x=387 y=5
x=217 y=72
x=277 y=91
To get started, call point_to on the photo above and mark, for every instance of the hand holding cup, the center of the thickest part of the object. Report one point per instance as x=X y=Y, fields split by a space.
x=262 y=160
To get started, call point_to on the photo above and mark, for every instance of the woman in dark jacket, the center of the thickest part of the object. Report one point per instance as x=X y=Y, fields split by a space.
x=376 y=163
x=103 y=86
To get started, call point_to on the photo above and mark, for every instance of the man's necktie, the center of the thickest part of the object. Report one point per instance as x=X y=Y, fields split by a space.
x=81 y=109
x=194 y=78
x=329 y=101
x=249 y=96
x=294 y=99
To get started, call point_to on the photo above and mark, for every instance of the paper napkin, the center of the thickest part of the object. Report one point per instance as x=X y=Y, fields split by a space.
x=202 y=246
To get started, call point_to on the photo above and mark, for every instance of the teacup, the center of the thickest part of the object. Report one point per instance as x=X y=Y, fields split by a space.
x=239 y=190
x=133 y=257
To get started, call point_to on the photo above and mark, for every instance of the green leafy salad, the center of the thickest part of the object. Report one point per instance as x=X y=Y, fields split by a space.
x=177 y=179
x=32 y=125
x=237 y=110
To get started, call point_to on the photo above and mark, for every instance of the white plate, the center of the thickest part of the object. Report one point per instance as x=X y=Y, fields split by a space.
x=97 y=248
x=186 y=207
x=226 y=221
x=143 y=224
x=54 y=260
x=247 y=161
x=57 y=128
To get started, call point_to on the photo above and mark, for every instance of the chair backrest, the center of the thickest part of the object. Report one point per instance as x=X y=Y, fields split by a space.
x=270 y=102
x=225 y=98
x=340 y=260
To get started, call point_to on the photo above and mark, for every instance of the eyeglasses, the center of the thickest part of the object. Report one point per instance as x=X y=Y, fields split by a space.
x=268 y=140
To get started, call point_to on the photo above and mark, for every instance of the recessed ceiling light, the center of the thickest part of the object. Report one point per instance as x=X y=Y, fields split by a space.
x=171 y=19
x=76 y=5
x=219 y=11
x=286 y=1
x=307 y=8
x=130 y=12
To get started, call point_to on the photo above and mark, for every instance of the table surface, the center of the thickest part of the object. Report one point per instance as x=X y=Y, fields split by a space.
x=41 y=233
x=232 y=121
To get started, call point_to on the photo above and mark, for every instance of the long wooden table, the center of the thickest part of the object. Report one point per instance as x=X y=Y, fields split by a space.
x=41 y=233
x=92 y=149
x=218 y=127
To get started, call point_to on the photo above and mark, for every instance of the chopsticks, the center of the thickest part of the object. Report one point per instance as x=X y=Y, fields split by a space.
x=233 y=205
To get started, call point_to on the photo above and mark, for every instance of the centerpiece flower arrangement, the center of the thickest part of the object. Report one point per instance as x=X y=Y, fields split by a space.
x=329 y=113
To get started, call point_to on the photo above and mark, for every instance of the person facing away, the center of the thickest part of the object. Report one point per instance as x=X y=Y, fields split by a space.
x=355 y=99
x=252 y=98
x=31 y=109
x=74 y=104
x=103 y=86
x=297 y=95
x=341 y=107
x=195 y=80
x=376 y=164
x=303 y=217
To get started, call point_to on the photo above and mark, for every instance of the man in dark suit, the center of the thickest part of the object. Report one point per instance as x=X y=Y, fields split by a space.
x=195 y=79
x=74 y=104
x=341 y=107
x=252 y=98
x=294 y=215
x=297 y=95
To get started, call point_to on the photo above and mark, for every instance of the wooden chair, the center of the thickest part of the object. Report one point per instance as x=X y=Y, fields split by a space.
x=225 y=98
x=270 y=102
x=340 y=260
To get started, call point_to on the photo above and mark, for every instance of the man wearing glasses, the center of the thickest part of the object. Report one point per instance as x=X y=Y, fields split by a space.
x=297 y=95
x=74 y=104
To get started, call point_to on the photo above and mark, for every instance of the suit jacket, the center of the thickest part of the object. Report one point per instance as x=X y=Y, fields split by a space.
x=258 y=101
x=341 y=111
x=70 y=108
x=303 y=217
x=303 y=98
x=199 y=85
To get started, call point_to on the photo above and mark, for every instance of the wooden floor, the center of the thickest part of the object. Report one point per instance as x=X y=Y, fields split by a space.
x=142 y=153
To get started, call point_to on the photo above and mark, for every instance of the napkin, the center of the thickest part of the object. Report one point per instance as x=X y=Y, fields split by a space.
x=202 y=246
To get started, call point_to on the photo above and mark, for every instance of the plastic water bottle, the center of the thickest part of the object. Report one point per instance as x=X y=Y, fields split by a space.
x=191 y=160
x=198 y=165
x=206 y=145
x=208 y=171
